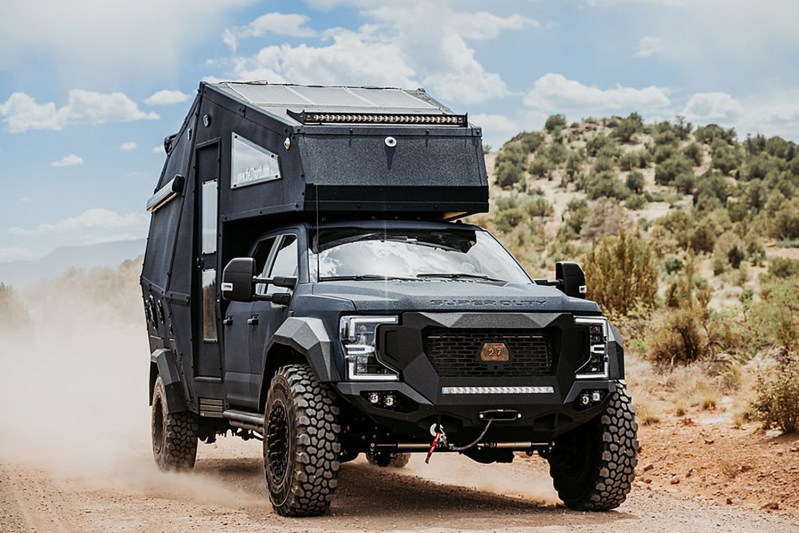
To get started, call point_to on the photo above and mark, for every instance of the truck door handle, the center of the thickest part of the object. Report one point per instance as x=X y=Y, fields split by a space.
x=227 y=321
x=253 y=320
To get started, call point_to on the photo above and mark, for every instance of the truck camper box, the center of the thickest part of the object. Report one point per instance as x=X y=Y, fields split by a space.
x=289 y=149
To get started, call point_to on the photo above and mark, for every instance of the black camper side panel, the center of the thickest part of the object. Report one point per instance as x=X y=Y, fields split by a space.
x=166 y=270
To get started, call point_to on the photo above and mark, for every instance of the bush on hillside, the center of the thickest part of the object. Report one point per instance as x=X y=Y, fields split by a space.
x=621 y=274
x=777 y=402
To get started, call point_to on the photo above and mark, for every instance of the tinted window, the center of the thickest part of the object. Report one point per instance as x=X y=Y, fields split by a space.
x=285 y=263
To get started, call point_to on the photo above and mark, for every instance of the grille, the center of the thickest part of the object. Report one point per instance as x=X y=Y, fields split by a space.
x=455 y=353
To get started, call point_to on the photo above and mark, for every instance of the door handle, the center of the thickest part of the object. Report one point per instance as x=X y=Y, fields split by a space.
x=227 y=321
x=253 y=320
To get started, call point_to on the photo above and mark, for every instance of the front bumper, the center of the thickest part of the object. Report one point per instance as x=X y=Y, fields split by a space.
x=544 y=400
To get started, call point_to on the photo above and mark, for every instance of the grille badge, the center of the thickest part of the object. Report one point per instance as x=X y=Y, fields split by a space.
x=494 y=352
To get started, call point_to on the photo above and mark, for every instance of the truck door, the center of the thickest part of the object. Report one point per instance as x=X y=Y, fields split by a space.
x=241 y=323
x=207 y=362
x=284 y=262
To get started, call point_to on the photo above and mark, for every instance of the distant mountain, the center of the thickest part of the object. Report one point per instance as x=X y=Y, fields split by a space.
x=107 y=254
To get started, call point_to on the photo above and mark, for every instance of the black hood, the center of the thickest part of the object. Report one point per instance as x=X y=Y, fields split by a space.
x=452 y=295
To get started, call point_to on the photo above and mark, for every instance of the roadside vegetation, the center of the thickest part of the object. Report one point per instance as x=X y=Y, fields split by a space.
x=690 y=241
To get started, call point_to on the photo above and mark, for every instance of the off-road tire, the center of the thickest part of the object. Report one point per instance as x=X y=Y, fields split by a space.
x=174 y=434
x=388 y=459
x=593 y=466
x=301 y=443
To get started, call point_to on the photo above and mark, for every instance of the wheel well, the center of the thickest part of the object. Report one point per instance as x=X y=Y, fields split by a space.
x=279 y=355
x=153 y=377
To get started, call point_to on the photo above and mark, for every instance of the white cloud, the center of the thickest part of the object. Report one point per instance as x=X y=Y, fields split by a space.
x=648 y=47
x=98 y=40
x=713 y=107
x=158 y=149
x=352 y=58
x=288 y=24
x=554 y=93
x=127 y=146
x=166 y=97
x=416 y=43
x=496 y=128
x=70 y=160
x=91 y=226
x=23 y=113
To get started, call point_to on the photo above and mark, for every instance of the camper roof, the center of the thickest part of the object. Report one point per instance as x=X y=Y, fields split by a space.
x=288 y=101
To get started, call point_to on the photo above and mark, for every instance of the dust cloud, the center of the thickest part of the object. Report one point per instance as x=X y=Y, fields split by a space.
x=528 y=483
x=73 y=388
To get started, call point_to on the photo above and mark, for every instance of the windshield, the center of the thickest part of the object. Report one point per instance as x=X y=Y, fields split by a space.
x=452 y=253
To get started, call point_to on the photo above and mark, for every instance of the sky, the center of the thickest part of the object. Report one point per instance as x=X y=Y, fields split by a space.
x=90 y=88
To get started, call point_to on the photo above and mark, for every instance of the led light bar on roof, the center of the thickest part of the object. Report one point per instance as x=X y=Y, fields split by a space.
x=314 y=117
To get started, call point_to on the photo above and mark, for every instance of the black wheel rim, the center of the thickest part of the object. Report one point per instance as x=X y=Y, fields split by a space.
x=277 y=443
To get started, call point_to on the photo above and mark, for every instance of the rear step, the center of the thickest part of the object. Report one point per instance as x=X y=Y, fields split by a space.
x=245 y=420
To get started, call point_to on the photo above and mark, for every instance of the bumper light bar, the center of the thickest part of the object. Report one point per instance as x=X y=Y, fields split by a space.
x=306 y=117
x=497 y=390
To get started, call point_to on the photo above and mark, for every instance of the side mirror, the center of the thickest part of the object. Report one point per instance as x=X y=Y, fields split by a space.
x=237 y=279
x=571 y=279
x=288 y=282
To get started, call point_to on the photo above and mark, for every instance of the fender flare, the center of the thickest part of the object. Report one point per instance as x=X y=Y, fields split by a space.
x=307 y=337
x=616 y=355
x=164 y=364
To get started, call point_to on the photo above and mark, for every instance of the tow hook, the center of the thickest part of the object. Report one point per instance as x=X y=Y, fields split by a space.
x=440 y=440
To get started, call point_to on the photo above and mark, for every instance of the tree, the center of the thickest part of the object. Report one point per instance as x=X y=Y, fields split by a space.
x=667 y=171
x=635 y=182
x=555 y=122
x=621 y=274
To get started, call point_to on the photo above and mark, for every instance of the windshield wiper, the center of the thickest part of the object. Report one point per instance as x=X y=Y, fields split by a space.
x=365 y=277
x=458 y=275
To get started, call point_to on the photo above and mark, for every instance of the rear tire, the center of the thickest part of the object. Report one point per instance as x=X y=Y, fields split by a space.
x=388 y=459
x=174 y=435
x=301 y=443
x=593 y=466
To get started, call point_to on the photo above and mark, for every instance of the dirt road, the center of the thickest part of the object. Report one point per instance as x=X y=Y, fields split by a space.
x=226 y=493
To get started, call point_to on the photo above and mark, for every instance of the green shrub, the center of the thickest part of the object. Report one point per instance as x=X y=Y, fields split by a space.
x=782 y=267
x=711 y=132
x=628 y=127
x=635 y=182
x=667 y=171
x=695 y=153
x=531 y=141
x=557 y=153
x=597 y=143
x=621 y=274
x=509 y=165
x=786 y=221
x=725 y=157
x=676 y=338
x=555 y=122
x=540 y=167
x=685 y=182
x=634 y=159
x=635 y=202
x=606 y=184
x=702 y=238
x=672 y=265
x=777 y=402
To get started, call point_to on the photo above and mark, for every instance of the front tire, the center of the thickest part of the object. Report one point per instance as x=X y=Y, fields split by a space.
x=174 y=435
x=301 y=443
x=593 y=466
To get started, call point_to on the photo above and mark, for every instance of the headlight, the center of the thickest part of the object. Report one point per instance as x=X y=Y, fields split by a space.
x=359 y=336
x=596 y=363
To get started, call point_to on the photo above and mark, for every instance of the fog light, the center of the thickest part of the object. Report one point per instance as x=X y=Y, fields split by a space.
x=389 y=400
x=596 y=396
x=373 y=397
x=585 y=399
